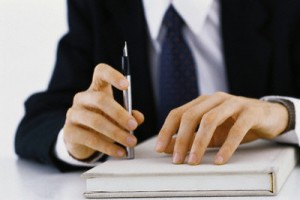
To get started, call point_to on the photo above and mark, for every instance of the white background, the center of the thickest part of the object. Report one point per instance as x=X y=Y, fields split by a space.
x=29 y=32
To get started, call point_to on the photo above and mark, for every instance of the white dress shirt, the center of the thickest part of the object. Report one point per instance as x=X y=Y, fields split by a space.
x=203 y=35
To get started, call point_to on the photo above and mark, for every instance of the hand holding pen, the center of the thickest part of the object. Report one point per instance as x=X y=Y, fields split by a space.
x=96 y=122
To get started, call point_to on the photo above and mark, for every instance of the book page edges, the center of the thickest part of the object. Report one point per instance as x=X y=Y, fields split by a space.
x=282 y=167
x=202 y=182
x=212 y=193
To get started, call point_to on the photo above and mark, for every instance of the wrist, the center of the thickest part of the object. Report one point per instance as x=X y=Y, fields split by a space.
x=290 y=109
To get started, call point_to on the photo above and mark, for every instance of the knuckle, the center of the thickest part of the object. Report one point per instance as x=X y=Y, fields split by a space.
x=236 y=131
x=208 y=119
x=90 y=141
x=112 y=150
x=99 y=68
x=189 y=117
x=181 y=142
x=68 y=137
x=221 y=94
x=113 y=133
x=106 y=149
x=233 y=102
x=250 y=114
x=77 y=97
x=163 y=133
x=123 y=116
x=238 y=100
x=249 y=110
x=175 y=113
x=71 y=115
x=67 y=131
x=94 y=122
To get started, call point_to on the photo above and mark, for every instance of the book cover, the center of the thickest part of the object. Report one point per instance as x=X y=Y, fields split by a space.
x=257 y=168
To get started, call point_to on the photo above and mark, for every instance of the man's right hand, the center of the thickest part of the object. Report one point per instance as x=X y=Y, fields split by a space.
x=96 y=122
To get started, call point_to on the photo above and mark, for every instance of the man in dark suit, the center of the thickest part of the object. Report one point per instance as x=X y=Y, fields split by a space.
x=258 y=42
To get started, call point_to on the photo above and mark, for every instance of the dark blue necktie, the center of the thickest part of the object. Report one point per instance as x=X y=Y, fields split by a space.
x=177 y=73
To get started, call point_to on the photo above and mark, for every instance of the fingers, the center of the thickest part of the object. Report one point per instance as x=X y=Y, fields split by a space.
x=101 y=102
x=104 y=75
x=208 y=125
x=86 y=131
x=139 y=117
x=189 y=121
x=235 y=137
x=81 y=139
x=225 y=120
x=172 y=123
x=170 y=148
x=167 y=131
x=100 y=124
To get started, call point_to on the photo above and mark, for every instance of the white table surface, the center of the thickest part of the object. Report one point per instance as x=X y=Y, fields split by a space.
x=22 y=179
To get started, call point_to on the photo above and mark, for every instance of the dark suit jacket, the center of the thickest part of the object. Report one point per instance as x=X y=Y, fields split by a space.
x=261 y=41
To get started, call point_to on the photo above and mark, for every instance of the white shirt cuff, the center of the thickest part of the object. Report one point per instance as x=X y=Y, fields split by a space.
x=292 y=136
x=62 y=154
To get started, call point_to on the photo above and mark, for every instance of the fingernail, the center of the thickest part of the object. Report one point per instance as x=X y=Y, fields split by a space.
x=132 y=124
x=120 y=153
x=193 y=159
x=219 y=160
x=159 y=147
x=177 y=158
x=131 y=141
x=123 y=83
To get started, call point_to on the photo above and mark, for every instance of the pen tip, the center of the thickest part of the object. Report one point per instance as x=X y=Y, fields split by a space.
x=125 y=53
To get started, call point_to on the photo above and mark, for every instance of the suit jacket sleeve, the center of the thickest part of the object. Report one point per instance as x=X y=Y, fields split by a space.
x=45 y=112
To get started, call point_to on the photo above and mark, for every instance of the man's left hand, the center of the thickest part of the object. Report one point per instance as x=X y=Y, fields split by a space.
x=224 y=121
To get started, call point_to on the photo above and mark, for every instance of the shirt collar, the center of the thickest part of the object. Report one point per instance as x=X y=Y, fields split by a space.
x=188 y=10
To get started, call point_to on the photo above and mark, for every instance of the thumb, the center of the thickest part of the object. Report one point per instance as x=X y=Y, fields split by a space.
x=104 y=76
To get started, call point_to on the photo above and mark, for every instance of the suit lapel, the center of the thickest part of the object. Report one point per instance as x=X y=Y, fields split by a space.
x=247 y=50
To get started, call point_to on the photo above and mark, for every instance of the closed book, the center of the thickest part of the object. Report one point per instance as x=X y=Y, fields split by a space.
x=256 y=168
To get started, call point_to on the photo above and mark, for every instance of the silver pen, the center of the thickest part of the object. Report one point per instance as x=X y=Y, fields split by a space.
x=127 y=99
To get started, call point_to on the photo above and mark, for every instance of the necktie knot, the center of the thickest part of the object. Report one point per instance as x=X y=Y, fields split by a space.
x=172 y=20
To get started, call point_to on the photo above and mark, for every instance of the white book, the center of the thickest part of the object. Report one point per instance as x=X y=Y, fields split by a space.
x=257 y=168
